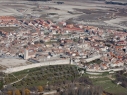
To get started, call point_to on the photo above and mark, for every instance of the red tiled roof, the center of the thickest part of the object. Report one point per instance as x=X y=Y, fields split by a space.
x=73 y=29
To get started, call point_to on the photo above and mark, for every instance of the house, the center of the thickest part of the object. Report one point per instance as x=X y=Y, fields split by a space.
x=117 y=64
x=104 y=66
x=7 y=18
x=28 y=54
x=121 y=43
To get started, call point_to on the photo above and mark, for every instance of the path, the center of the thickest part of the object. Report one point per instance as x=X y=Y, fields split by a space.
x=19 y=79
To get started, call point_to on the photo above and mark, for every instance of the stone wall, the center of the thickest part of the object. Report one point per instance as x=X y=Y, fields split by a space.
x=20 y=68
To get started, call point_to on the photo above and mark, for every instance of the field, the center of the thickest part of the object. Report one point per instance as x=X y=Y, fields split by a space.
x=41 y=76
x=88 y=12
x=109 y=86
x=51 y=75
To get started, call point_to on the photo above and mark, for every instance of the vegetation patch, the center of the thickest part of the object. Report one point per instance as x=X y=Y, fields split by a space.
x=98 y=61
x=109 y=86
x=42 y=76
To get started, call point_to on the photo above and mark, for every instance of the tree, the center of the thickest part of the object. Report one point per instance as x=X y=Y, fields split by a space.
x=40 y=88
x=9 y=93
x=23 y=91
x=41 y=41
x=103 y=93
x=36 y=42
x=17 y=92
x=27 y=92
x=25 y=46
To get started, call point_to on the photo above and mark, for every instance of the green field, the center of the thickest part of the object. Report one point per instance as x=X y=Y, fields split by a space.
x=59 y=73
x=109 y=86
x=42 y=75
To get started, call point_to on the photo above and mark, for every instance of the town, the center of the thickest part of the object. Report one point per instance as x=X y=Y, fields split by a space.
x=38 y=50
x=41 y=41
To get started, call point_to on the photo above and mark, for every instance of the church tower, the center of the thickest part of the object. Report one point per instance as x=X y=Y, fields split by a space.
x=26 y=54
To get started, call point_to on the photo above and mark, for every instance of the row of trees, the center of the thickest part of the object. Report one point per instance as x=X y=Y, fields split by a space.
x=23 y=91
x=51 y=74
x=19 y=92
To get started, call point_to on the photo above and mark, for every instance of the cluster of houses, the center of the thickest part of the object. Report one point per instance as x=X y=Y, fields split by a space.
x=43 y=40
x=8 y=21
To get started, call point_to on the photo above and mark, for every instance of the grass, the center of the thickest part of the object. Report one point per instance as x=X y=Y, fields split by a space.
x=109 y=86
x=24 y=72
x=20 y=86
x=100 y=79
x=10 y=78
x=40 y=76
x=106 y=83
x=98 y=61
x=1 y=84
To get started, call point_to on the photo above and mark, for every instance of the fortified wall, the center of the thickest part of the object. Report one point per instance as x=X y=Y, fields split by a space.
x=20 y=68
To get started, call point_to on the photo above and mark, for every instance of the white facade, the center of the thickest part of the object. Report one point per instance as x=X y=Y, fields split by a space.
x=26 y=54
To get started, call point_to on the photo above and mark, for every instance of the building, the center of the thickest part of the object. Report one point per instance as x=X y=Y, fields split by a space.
x=7 y=18
x=26 y=54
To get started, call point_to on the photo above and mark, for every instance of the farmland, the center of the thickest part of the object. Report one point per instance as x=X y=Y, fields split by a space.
x=41 y=76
